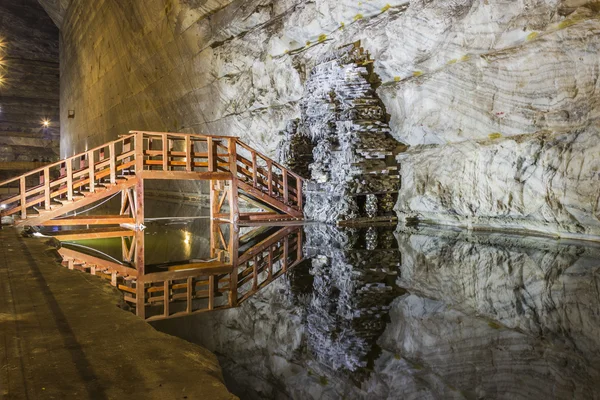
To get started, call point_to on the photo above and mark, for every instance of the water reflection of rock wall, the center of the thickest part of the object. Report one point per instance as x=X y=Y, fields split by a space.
x=485 y=317
x=353 y=274
x=537 y=286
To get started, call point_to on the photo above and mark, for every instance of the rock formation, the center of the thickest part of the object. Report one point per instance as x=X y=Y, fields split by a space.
x=353 y=171
x=457 y=78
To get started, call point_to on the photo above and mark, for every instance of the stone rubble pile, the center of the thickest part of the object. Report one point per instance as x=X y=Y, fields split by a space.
x=353 y=169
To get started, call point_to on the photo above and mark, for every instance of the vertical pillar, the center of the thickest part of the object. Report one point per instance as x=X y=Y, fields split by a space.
x=140 y=292
x=233 y=192
x=47 y=188
x=92 y=171
x=233 y=251
x=23 y=190
x=69 y=179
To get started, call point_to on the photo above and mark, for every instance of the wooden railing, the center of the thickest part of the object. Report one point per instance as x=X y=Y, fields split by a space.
x=152 y=155
x=267 y=176
x=66 y=179
x=266 y=262
x=194 y=287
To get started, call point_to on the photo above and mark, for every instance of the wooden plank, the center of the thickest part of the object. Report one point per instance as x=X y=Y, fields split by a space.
x=286 y=251
x=113 y=162
x=90 y=220
x=121 y=269
x=211 y=292
x=211 y=148
x=167 y=299
x=269 y=200
x=87 y=234
x=182 y=175
x=47 y=188
x=23 y=197
x=165 y=152
x=91 y=171
x=286 y=191
x=254 y=170
x=190 y=270
x=233 y=192
x=188 y=154
x=69 y=163
x=189 y=293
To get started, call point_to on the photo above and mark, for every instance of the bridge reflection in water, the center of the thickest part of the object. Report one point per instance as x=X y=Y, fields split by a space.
x=240 y=264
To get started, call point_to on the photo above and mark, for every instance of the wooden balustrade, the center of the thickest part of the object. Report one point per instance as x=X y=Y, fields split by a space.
x=153 y=155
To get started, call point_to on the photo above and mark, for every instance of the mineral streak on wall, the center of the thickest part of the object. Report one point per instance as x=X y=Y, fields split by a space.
x=29 y=91
x=461 y=81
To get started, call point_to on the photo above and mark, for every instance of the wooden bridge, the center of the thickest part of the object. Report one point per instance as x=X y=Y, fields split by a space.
x=239 y=267
x=234 y=169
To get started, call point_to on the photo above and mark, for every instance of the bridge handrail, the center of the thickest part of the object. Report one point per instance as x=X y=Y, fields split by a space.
x=58 y=163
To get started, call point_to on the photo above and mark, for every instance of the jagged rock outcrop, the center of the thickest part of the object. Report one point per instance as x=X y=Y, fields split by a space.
x=548 y=183
x=353 y=171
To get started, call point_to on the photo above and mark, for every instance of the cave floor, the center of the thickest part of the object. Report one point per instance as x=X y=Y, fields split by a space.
x=63 y=335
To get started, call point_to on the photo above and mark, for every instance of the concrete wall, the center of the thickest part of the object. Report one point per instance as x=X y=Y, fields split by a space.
x=30 y=92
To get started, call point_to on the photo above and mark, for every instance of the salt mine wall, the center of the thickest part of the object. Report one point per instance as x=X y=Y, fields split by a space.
x=498 y=101
x=29 y=91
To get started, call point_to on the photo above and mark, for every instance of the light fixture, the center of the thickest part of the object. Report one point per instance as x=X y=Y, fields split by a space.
x=46 y=123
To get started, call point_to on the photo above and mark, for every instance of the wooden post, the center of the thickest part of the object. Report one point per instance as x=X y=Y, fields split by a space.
x=92 y=171
x=69 y=179
x=299 y=249
x=139 y=187
x=140 y=298
x=188 y=154
x=270 y=263
x=23 y=189
x=113 y=278
x=138 y=242
x=210 y=148
x=285 y=186
x=165 y=153
x=255 y=273
x=124 y=200
x=254 y=170
x=190 y=289
x=47 y=188
x=113 y=163
x=211 y=292
x=299 y=194
x=286 y=250
x=270 y=177
x=167 y=298
x=233 y=192
x=233 y=251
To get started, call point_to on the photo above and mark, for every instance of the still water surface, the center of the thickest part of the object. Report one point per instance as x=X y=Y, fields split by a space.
x=378 y=314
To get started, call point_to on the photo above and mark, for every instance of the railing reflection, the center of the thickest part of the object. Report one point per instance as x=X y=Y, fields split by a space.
x=239 y=267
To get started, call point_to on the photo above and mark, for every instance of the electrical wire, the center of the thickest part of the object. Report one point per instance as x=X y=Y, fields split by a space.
x=90 y=209
x=95 y=251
